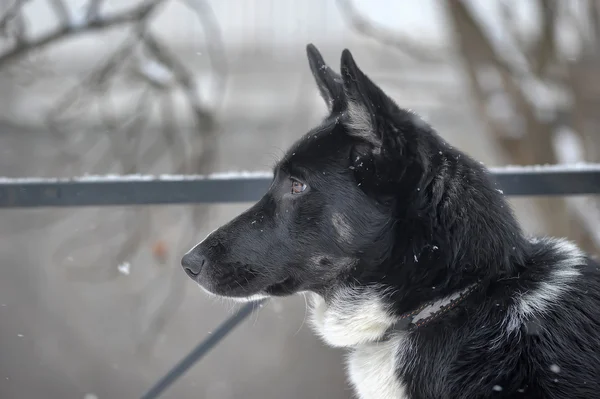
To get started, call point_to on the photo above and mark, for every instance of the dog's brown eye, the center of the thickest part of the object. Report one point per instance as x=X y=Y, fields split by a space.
x=298 y=187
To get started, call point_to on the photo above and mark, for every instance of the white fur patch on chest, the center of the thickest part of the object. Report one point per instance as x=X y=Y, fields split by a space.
x=354 y=316
x=372 y=369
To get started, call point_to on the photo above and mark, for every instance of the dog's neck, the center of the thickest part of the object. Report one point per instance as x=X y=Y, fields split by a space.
x=431 y=310
x=360 y=315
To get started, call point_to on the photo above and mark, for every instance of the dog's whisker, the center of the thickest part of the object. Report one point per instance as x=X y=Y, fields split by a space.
x=305 y=313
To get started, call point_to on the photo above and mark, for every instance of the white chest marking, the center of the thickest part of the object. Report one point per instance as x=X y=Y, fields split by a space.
x=372 y=369
x=352 y=317
x=355 y=318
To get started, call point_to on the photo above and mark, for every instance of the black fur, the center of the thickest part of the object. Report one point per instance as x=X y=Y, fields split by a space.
x=389 y=202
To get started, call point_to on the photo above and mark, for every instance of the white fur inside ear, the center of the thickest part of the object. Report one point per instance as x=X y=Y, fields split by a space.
x=351 y=317
x=360 y=123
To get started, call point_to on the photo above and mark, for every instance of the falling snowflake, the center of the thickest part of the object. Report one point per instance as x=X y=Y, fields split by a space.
x=554 y=368
x=497 y=388
x=125 y=268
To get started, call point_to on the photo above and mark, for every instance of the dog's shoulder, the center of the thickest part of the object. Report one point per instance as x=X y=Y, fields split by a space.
x=554 y=271
x=547 y=343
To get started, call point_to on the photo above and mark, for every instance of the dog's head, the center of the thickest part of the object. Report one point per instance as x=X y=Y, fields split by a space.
x=342 y=199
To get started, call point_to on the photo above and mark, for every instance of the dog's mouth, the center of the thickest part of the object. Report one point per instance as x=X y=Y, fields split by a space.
x=287 y=286
x=248 y=288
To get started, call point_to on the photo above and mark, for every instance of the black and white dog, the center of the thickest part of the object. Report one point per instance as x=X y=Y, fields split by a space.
x=413 y=258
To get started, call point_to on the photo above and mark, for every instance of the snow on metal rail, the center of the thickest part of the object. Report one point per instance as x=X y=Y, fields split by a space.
x=104 y=190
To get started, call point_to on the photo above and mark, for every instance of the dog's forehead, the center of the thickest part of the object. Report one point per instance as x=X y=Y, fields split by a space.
x=322 y=142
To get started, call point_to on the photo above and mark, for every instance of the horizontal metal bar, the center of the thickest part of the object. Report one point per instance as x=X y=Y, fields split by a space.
x=249 y=186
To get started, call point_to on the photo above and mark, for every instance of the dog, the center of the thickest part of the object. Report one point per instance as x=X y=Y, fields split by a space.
x=413 y=260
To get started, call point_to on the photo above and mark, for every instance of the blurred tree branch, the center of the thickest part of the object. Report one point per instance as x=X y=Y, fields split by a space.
x=93 y=9
x=537 y=144
x=13 y=18
x=156 y=81
x=71 y=27
x=386 y=36
x=534 y=146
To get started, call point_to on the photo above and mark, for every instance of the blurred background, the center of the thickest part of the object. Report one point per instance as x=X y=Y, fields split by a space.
x=93 y=303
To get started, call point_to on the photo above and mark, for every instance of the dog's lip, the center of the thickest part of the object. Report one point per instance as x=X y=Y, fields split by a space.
x=287 y=286
x=283 y=287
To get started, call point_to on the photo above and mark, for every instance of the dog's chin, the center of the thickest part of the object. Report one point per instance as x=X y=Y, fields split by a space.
x=288 y=286
x=241 y=293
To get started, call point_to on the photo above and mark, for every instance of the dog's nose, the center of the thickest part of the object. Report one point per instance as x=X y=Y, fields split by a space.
x=193 y=263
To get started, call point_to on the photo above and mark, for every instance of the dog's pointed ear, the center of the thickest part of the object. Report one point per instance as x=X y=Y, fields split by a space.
x=328 y=81
x=367 y=105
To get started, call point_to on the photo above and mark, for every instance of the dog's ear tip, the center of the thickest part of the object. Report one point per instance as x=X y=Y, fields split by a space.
x=348 y=66
x=314 y=56
x=347 y=58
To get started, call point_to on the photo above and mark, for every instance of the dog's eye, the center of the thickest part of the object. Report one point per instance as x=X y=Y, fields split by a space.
x=297 y=187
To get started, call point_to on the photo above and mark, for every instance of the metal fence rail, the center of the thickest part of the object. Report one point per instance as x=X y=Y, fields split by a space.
x=243 y=187
x=248 y=187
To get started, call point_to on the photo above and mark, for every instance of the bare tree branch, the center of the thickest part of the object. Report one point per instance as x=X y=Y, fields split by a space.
x=536 y=145
x=14 y=16
x=183 y=78
x=544 y=52
x=508 y=16
x=93 y=10
x=134 y=14
x=11 y=12
x=61 y=10
x=126 y=143
x=214 y=44
x=594 y=14
x=385 y=36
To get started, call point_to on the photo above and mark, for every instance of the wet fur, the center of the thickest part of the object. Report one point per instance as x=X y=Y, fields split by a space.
x=394 y=217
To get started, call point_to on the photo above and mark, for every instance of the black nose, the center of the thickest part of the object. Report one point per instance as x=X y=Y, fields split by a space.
x=192 y=263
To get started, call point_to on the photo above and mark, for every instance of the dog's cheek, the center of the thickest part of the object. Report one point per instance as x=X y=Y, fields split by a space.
x=325 y=269
x=344 y=233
